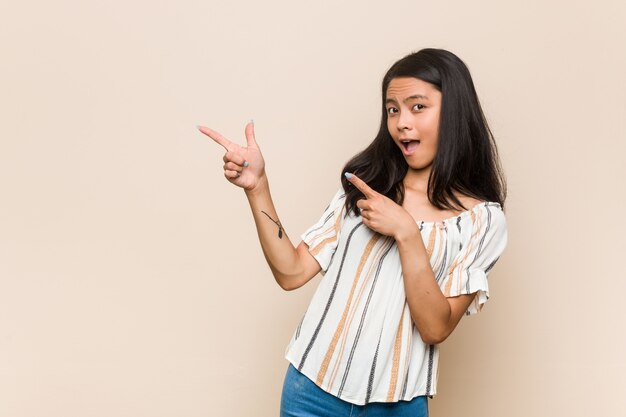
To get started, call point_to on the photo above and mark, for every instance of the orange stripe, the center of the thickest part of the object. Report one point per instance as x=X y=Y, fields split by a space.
x=457 y=262
x=474 y=239
x=373 y=264
x=335 y=339
x=409 y=348
x=397 y=348
x=314 y=251
x=439 y=250
x=431 y=241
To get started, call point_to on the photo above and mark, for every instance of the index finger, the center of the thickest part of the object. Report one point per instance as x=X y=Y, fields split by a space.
x=361 y=185
x=217 y=137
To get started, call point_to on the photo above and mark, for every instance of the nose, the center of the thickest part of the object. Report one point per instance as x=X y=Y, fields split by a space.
x=403 y=121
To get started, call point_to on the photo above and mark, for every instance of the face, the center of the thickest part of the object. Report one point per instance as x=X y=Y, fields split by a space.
x=413 y=108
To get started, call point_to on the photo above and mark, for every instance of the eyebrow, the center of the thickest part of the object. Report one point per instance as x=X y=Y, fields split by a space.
x=413 y=97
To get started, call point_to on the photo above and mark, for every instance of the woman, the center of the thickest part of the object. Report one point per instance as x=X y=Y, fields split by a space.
x=405 y=246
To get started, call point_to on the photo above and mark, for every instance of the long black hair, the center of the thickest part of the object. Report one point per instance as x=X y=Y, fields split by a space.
x=467 y=159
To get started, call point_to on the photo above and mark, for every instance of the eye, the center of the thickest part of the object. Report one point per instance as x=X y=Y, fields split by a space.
x=392 y=110
x=419 y=107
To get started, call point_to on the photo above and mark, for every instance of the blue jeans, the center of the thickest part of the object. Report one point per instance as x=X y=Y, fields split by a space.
x=302 y=398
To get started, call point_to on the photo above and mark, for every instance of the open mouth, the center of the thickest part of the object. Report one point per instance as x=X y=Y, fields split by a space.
x=410 y=145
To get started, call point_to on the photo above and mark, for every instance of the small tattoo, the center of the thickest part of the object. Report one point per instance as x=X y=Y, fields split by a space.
x=280 y=226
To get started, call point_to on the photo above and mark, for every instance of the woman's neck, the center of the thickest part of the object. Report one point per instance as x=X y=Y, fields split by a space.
x=417 y=180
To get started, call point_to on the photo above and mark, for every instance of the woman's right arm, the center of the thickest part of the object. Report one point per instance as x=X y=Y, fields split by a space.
x=292 y=267
x=245 y=167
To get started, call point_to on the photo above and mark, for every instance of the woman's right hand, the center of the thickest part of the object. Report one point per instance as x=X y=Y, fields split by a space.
x=243 y=166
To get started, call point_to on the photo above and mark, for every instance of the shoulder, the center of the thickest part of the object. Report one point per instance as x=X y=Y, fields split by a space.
x=484 y=217
x=339 y=197
x=469 y=202
x=484 y=228
x=475 y=205
x=337 y=202
x=491 y=219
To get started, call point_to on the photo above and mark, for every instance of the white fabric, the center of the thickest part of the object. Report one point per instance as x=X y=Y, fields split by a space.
x=357 y=340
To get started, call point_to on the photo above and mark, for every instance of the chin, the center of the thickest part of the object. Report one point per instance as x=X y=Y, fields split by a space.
x=419 y=165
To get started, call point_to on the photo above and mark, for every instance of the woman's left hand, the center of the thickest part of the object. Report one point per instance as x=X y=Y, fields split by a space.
x=381 y=214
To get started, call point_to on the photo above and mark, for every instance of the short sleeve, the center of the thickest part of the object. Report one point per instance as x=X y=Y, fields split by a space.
x=323 y=236
x=469 y=269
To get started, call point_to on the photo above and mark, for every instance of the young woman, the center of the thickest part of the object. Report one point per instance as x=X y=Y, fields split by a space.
x=405 y=245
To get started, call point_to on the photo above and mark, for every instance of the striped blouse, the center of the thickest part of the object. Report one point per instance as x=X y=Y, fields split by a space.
x=357 y=340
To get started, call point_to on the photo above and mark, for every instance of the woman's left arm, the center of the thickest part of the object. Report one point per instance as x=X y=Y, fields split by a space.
x=434 y=314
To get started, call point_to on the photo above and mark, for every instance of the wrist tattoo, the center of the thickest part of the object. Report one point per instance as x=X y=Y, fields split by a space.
x=280 y=226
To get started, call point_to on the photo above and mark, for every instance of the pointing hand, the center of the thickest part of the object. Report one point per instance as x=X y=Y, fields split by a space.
x=243 y=166
x=380 y=213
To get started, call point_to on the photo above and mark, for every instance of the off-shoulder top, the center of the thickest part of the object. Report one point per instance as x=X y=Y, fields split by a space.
x=357 y=340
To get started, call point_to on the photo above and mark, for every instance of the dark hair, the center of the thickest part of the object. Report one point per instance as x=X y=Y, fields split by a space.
x=467 y=158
